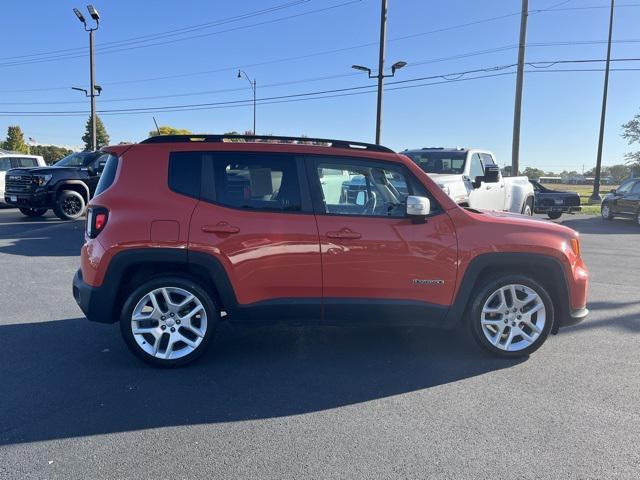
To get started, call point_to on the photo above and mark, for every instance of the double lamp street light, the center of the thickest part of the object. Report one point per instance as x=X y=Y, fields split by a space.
x=94 y=90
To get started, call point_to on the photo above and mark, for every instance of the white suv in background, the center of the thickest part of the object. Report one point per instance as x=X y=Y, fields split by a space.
x=9 y=160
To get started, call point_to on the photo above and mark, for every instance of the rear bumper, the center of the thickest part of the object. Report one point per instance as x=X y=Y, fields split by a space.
x=95 y=302
x=558 y=208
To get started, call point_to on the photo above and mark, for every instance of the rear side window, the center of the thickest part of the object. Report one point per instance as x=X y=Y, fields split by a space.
x=26 y=162
x=185 y=173
x=108 y=174
x=257 y=181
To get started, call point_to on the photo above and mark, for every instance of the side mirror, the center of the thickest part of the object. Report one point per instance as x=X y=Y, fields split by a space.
x=361 y=198
x=418 y=207
x=491 y=174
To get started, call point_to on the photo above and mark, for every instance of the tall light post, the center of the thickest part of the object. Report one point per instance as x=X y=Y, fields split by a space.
x=517 y=110
x=92 y=88
x=253 y=87
x=595 y=196
x=380 y=76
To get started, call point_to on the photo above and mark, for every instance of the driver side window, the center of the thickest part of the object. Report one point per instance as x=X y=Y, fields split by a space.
x=363 y=189
x=476 y=167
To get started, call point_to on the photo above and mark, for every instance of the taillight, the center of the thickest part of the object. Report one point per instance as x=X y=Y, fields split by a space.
x=96 y=220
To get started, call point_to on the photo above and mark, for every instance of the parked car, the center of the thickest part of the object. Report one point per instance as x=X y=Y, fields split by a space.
x=66 y=186
x=554 y=202
x=9 y=160
x=623 y=201
x=183 y=228
x=472 y=178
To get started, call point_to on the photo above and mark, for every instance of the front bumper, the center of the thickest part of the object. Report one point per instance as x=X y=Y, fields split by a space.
x=28 y=200
x=95 y=302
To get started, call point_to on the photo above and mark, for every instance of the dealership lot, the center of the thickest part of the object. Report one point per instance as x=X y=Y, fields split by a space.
x=316 y=402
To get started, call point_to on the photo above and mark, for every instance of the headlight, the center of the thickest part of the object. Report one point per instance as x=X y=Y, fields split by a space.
x=41 y=179
x=444 y=188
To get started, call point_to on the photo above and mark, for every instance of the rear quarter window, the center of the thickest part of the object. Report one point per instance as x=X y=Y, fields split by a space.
x=185 y=173
x=108 y=175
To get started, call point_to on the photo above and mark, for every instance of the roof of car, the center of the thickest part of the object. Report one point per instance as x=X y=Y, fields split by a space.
x=267 y=139
x=438 y=149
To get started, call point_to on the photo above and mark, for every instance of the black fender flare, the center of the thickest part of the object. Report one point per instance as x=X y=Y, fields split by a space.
x=550 y=268
x=60 y=186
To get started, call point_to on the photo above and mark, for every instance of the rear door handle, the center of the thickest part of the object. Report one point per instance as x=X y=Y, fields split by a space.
x=222 y=227
x=344 y=234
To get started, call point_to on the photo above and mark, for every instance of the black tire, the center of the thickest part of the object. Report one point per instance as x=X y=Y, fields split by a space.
x=70 y=205
x=605 y=211
x=554 y=215
x=210 y=308
x=33 y=212
x=527 y=208
x=484 y=294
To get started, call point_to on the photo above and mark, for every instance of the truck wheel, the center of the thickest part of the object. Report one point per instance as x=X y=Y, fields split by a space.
x=168 y=321
x=33 y=212
x=512 y=316
x=605 y=211
x=554 y=215
x=528 y=208
x=69 y=206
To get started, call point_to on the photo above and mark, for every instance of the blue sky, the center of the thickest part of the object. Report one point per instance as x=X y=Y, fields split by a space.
x=561 y=110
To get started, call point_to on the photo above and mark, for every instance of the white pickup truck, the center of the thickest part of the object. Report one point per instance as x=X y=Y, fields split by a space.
x=473 y=179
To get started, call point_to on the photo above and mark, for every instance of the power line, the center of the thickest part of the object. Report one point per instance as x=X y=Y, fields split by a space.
x=323 y=93
x=115 y=49
x=170 y=32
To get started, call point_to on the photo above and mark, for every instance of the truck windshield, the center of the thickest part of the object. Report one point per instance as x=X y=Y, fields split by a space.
x=439 y=162
x=73 y=160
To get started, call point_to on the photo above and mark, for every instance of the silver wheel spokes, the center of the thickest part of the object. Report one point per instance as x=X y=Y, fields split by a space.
x=513 y=317
x=169 y=323
x=605 y=211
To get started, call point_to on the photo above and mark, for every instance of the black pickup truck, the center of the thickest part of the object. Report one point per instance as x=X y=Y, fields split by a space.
x=65 y=186
x=554 y=202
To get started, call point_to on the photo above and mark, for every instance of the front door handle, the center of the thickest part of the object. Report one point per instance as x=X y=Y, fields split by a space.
x=346 y=233
x=222 y=227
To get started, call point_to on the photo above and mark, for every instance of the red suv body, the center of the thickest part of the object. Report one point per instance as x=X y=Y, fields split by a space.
x=184 y=228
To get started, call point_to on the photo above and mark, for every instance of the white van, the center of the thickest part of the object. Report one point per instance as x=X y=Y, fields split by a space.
x=9 y=160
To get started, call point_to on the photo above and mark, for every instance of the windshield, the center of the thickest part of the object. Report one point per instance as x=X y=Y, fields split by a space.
x=439 y=162
x=73 y=160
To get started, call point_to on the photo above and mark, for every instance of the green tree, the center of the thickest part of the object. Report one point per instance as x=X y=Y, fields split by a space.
x=167 y=130
x=102 y=138
x=15 y=140
x=631 y=133
x=533 y=173
x=50 y=153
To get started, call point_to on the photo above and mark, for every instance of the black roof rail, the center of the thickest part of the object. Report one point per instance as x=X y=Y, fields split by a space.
x=207 y=138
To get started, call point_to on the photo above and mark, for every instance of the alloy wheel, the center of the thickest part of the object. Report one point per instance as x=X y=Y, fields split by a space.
x=71 y=206
x=513 y=317
x=169 y=323
x=605 y=211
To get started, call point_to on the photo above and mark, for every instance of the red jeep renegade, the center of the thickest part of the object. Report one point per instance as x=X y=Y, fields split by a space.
x=185 y=232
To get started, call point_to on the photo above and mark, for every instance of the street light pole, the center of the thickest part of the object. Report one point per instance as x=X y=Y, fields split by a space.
x=383 y=40
x=254 y=88
x=595 y=196
x=92 y=87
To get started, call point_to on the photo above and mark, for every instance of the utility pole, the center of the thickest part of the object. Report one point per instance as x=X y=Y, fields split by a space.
x=381 y=76
x=517 y=111
x=595 y=196
x=92 y=87
x=383 y=41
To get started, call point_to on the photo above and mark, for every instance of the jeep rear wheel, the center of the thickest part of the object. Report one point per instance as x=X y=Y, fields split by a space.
x=69 y=206
x=168 y=321
x=512 y=316
x=33 y=212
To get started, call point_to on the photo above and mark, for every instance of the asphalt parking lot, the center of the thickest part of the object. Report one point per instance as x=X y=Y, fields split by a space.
x=316 y=402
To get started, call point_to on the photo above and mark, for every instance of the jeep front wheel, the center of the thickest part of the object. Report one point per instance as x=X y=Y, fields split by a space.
x=33 y=212
x=168 y=321
x=69 y=206
x=512 y=316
